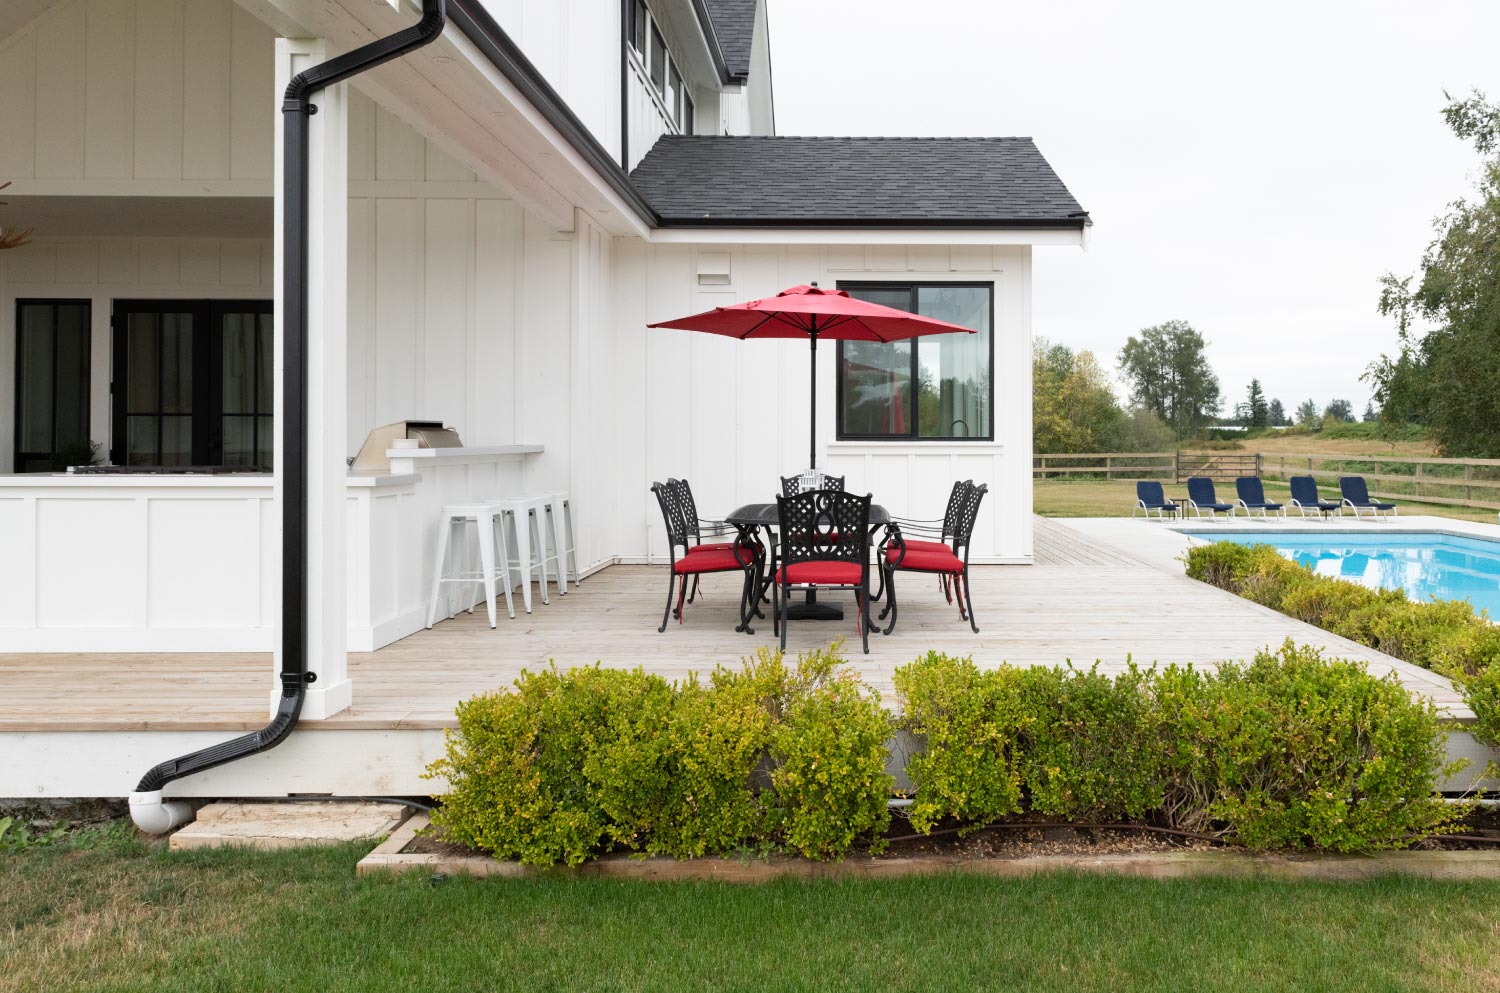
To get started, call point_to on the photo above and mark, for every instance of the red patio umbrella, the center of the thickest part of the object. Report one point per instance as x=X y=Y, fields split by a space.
x=812 y=313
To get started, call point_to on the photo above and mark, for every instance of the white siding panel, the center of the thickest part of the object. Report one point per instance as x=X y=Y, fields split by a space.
x=208 y=68
x=161 y=262
x=77 y=262
x=400 y=153
x=18 y=108
x=199 y=262
x=361 y=338
x=399 y=253
x=239 y=262
x=445 y=362
x=109 y=149
x=158 y=89
x=60 y=65
x=497 y=252
x=253 y=104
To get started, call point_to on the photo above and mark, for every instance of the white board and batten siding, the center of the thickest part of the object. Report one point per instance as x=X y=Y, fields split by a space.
x=153 y=97
x=732 y=416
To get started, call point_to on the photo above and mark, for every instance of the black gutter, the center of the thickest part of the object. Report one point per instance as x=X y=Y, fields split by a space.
x=297 y=109
x=715 y=50
x=471 y=18
x=1072 y=222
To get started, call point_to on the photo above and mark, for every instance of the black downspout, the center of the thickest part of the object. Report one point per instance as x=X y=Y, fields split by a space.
x=297 y=108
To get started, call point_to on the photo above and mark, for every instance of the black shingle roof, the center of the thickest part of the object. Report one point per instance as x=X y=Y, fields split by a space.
x=734 y=26
x=751 y=180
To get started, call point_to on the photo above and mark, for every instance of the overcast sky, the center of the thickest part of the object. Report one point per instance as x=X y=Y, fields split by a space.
x=1251 y=168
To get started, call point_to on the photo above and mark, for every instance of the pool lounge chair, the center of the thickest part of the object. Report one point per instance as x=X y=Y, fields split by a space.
x=1251 y=495
x=1305 y=498
x=1201 y=497
x=1356 y=496
x=1149 y=497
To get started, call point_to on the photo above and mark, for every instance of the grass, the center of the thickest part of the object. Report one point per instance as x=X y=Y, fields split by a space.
x=1114 y=498
x=122 y=916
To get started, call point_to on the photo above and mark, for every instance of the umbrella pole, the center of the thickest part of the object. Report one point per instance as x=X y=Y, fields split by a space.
x=812 y=427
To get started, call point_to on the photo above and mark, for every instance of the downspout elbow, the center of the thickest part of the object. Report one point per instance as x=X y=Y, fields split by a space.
x=154 y=816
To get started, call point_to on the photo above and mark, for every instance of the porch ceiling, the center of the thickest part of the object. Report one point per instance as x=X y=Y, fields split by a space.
x=145 y=217
x=451 y=94
x=16 y=14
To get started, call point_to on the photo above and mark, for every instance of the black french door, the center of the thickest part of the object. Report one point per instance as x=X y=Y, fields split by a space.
x=52 y=384
x=192 y=383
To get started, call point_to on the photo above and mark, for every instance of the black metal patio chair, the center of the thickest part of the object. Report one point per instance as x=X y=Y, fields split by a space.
x=949 y=561
x=829 y=549
x=745 y=554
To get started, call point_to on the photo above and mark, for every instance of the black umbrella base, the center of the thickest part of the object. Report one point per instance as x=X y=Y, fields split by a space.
x=811 y=610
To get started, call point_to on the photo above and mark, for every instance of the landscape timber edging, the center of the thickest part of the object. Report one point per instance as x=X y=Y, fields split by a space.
x=1454 y=865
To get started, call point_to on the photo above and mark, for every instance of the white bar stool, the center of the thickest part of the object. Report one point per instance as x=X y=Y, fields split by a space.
x=489 y=531
x=531 y=542
x=560 y=510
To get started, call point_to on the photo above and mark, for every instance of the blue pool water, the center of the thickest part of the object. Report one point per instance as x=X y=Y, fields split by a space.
x=1426 y=566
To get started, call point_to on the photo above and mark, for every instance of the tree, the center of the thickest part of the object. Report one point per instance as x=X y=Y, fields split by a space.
x=1073 y=407
x=1448 y=377
x=1256 y=413
x=1307 y=415
x=1170 y=376
x=1371 y=414
x=1339 y=410
x=1277 y=414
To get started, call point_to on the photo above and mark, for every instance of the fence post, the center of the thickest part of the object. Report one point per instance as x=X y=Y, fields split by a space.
x=1109 y=467
x=1468 y=475
x=1416 y=486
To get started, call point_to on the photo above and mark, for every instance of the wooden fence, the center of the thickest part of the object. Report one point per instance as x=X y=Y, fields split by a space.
x=1454 y=482
x=1110 y=465
x=1471 y=483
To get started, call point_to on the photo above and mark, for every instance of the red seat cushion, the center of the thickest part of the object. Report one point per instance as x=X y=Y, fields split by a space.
x=718 y=560
x=821 y=573
x=924 y=560
x=717 y=546
x=926 y=546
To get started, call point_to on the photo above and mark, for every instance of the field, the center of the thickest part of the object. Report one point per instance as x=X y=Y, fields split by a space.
x=124 y=916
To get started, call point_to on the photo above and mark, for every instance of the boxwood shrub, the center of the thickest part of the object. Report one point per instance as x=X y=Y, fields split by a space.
x=573 y=763
x=1289 y=751
x=1446 y=636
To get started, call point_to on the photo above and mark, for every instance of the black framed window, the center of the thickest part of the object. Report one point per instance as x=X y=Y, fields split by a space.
x=686 y=124
x=934 y=388
x=640 y=22
x=52 y=384
x=657 y=67
x=193 y=383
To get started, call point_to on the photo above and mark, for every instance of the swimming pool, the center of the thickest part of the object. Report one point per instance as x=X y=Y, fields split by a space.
x=1426 y=566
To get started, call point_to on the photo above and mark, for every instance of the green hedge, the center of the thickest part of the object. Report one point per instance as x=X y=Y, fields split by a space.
x=1289 y=751
x=768 y=756
x=1446 y=636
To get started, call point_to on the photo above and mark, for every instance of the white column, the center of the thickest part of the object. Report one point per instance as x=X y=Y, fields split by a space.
x=327 y=352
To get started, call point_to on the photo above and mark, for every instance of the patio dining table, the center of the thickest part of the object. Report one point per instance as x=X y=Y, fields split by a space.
x=754 y=516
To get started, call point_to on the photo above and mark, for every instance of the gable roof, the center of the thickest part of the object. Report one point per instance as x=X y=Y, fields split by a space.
x=733 y=23
x=729 y=180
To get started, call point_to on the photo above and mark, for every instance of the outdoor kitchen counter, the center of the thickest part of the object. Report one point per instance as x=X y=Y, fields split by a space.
x=189 y=562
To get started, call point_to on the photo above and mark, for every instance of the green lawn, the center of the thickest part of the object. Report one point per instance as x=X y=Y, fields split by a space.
x=123 y=917
x=1114 y=498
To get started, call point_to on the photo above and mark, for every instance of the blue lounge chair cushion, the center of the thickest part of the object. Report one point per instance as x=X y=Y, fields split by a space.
x=1201 y=492
x=1353 y=489
x=1252 y=494
x=1149 y=493
x=1305 y=492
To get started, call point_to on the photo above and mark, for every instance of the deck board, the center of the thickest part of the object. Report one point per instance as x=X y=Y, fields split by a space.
x=1083 y=600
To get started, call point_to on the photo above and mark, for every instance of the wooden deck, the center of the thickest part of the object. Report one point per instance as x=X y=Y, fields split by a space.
x=1084 y=600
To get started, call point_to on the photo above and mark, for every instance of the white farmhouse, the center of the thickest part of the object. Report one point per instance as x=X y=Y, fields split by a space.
x=493 y=216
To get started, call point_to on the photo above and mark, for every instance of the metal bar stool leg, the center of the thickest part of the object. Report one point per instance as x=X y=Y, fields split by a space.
x=534 y=522
x=485 y=525
x=444 y=536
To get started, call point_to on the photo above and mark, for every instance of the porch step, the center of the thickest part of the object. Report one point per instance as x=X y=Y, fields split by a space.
x=289 y=825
